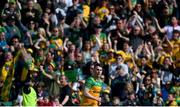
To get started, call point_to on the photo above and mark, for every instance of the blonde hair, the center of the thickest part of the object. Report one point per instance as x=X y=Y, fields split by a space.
x=42 y=32
x=129 y=87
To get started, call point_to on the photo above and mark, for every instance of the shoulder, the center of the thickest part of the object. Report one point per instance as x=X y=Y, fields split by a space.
x=178 y=28
x=103 y=34
x=167 y=27
x=92 y=37
x=90 y=79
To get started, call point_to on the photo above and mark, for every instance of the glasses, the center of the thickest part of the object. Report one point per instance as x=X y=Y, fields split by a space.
x=119 y=58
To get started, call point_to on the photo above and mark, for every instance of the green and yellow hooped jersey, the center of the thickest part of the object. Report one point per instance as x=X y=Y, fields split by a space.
x=95 y=88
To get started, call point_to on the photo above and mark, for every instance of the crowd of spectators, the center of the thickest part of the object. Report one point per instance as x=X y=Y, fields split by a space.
x=90 y=53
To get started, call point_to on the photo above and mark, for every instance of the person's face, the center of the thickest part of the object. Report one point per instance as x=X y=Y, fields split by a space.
x=104 y=3
x=136 y=31
x=50 y=68
x=119 y=59
x=49 y=57
x=11 y=22
x=97 y=21
x=1 y=83
x=95 y=55
x=143 y=61
x=41 y=53
x=39 y=88
x=111 y=54
x=151 y=30
x=62 y=20
x=125 y=46
x=167 y=61
x=120 y=24
x=132 y=97
x=176 y=36
x=47 y=10
x=69 y=43
x=72 y=48
x=112 y=9
x=165 y=11
x=91 y=69
x=30 y=4
x=63 y=80
x=106 y=47
x=154 y=36
x=77 y=21
x=79 y=57
x=55 y=31
x=174 y=20
x=75 y=2
x=138 y=7
x=98 y=30
x=98 y=71
x=148 y=81
x=150 y=3
x=170 y=97
x=15 y=42
x=8 y=56
x=87 y=46
x=12 y=5
x=2 y=36
x=154 y=74
x=46 y=99
x=116 y=102
x=31 y=25
x=46 y=16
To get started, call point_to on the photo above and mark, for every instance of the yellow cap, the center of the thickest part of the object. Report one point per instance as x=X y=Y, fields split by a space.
x=106 y=91
x=30 y=50
x=111 y=50
x=121 y=53
x=52 y=64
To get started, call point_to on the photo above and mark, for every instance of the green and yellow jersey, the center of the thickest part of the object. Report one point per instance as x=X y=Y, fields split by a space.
x=95 y=88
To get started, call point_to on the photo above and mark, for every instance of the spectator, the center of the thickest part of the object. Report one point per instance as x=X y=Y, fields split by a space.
x=134 y=42
x=65 y=94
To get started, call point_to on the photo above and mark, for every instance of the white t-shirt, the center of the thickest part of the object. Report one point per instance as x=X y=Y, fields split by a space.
x=169 y=29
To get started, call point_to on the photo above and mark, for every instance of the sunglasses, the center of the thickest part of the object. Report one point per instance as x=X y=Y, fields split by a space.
x=119 y=58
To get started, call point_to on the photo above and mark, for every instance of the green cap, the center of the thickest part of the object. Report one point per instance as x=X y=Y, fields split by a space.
x=2 y=29
x=52 y=46
x=12 y=1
